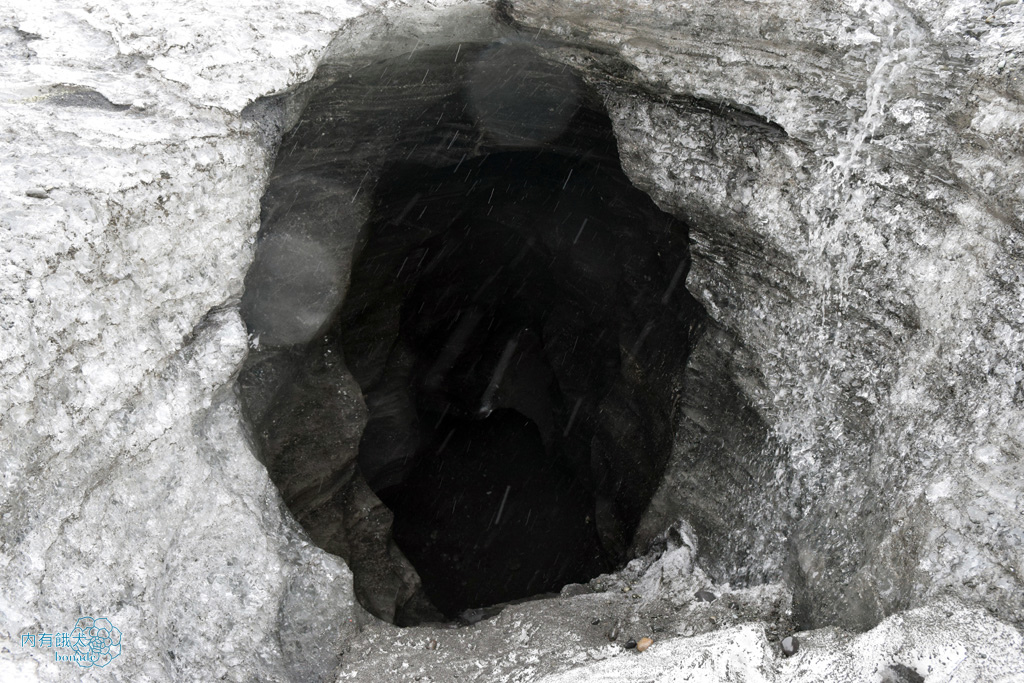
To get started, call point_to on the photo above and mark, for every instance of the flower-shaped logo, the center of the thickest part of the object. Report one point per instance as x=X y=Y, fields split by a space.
x=96 y=641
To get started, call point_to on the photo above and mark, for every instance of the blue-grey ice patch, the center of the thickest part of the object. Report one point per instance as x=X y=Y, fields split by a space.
x=293 y=289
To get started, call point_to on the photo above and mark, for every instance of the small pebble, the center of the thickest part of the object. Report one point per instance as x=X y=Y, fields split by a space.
x=36 y=193
x=643 y=644
x=631 y=645
x=790 y=646
x=432 y=645
x=613 y=634
x=705 y=596
x=595 y=622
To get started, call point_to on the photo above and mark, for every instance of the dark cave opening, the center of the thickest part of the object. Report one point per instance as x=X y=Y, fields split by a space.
x=517 y=282
x=515 y=323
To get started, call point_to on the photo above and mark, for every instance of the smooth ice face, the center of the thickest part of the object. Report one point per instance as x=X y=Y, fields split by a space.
x=299 y=290
x=297 y=280
x=514 y=320
x=518 y=98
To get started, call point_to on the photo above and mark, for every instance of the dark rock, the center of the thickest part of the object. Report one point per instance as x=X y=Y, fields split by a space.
x=574 y=589
x=472 y=616
x=613 y=633
x=705 y=596
x=75 y=96
x=901 y=673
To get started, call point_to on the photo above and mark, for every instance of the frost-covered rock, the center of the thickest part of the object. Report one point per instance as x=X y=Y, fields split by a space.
x=131 y=184
x=911 y=647
x=853 y=177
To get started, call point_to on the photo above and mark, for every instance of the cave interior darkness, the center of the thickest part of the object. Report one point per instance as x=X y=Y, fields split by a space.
x=516 y=322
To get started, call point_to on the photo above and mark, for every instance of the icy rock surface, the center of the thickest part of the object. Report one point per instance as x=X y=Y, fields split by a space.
x=729 y=635
x=131 y=184
x=896 y=649
x=855 y=180
x=858 y=172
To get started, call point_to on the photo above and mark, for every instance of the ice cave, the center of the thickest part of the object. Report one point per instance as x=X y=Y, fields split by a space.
x=515 y=321
x=512 y=340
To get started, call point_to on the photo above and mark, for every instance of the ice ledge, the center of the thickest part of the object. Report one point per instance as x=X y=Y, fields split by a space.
x=210 y=54
x=942 y=642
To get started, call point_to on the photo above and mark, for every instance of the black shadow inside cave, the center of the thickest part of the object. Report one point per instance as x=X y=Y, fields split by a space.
x=515 y=321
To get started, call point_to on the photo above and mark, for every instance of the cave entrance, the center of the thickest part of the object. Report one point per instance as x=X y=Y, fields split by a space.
x=485 y=413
